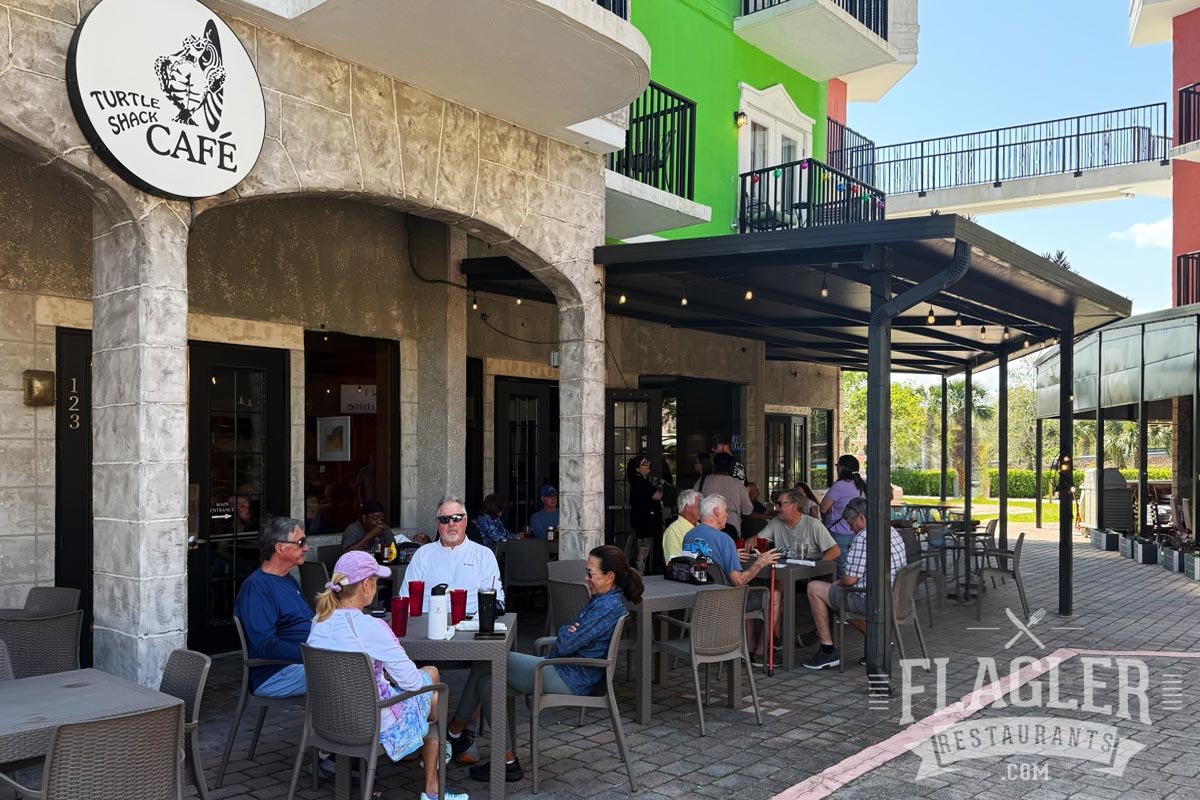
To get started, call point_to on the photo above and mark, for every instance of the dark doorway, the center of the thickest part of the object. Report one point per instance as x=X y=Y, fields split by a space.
x=786 y=444
x=238 y=462
x=702 y=408
x=526 y=443
x=634 y=422
x=474 y=424
x=73 y=474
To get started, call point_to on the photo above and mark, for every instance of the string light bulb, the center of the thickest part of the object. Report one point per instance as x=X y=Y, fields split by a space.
x=1025 y=343
x=749 y=294
x=621 y=299
x=518 y=301
x=474 y=302
x=931 y=318
x=683 y=300
x=1005 y=331
x=958 y=320
x=983 y=333
x=824 y=285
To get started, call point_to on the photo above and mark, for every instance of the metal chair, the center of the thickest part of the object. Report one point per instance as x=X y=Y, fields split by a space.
x=42 y=645
x=126 y=756
x=525 y=563
x=1010 y=567
x=184 y=677
x=717 y=634
x=52 y=600
x=904 y=610
x=313 y=577
x=342 y=714
x=6 y=670
x=248 y=700
x=602 y=697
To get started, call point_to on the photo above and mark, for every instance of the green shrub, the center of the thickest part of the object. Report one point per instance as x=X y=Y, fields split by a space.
x=923 y=482
x=1154 y=474
x=1021 y=482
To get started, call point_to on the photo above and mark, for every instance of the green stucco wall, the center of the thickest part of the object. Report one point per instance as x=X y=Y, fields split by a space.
x=695 y=52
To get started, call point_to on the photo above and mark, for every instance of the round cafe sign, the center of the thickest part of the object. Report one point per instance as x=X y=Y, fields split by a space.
x=167 y=96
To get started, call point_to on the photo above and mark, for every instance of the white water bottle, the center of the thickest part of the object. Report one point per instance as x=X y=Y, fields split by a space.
x=439 y=611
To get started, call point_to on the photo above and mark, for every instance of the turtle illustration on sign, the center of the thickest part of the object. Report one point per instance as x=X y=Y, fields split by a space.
x=193 y=78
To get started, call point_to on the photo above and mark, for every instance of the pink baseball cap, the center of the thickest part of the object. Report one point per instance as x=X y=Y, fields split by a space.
x=357 y=566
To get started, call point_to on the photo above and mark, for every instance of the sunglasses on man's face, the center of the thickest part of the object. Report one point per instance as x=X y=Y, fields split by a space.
x=302 y=542
x=446 y=519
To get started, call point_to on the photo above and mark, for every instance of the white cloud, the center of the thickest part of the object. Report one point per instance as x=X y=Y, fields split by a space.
x=1147 y=234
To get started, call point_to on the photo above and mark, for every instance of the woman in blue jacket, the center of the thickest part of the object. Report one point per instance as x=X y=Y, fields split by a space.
x=611 y=583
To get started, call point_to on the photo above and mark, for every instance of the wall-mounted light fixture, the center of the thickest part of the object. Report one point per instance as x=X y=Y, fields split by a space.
x=741 y=118
x=554 y=359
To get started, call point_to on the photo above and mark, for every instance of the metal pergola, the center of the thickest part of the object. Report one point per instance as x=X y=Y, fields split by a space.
x=861 y=296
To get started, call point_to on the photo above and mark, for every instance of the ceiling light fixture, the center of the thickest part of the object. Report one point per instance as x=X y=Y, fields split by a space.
x=931 y=318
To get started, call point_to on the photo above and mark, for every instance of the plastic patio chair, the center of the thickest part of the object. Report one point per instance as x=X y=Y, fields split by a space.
x=184 y=677
x=342 y=714
x=42 y=645
x=567 y=599
x=313 y=577
x=569 y=571
x=126 y=756
x=915 y=555
x=6 y=670
x=52 y=600
x=1010 y=567
x=602 y=697
x=717 y=634
x=247 y=700
x=525 y=563
x=904 y=611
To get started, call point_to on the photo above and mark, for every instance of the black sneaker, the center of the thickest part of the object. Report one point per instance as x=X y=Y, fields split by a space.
x=512 y=772
x=462 y=749
x=822 y=660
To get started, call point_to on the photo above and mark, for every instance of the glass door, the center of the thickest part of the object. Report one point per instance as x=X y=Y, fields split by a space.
x=786 y=451
x=635 y=428
x=526 y=446
x=238 y=465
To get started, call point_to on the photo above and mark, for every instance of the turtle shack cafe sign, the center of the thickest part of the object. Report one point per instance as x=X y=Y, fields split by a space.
x=167 y=96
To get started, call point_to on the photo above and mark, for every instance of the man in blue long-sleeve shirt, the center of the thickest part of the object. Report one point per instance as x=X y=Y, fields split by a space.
x=274 y=615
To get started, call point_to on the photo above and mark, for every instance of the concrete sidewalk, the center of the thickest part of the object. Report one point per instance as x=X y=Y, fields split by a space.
x=815 y=721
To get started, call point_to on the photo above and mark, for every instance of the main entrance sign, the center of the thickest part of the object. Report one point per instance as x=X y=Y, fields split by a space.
x=167 y=96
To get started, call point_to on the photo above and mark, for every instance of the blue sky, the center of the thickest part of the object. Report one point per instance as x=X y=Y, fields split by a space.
x=985 y=64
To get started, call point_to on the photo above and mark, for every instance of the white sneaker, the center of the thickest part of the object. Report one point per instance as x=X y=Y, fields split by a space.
x=449 y=795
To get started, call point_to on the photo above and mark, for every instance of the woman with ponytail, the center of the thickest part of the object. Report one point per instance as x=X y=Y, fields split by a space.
x=611 y=583
x=341 y=625
x=849 y=485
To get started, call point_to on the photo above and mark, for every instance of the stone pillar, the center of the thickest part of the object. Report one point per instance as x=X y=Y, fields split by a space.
x=139 y=440
x=581 y=426
x=439 y=432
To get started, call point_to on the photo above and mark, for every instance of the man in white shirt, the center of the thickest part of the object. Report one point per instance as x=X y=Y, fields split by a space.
x=454 y=560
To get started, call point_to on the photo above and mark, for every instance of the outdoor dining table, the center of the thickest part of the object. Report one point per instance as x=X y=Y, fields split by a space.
x=463 y=646
x=31 y=708
x=787 y=578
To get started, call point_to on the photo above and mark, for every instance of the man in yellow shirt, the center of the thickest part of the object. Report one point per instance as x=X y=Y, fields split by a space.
x=689 y=515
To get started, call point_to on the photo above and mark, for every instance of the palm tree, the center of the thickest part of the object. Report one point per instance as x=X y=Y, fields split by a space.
x=1059 y=258
x=981 y=410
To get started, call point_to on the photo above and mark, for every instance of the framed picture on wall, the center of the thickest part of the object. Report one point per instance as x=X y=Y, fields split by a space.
x=333 y=438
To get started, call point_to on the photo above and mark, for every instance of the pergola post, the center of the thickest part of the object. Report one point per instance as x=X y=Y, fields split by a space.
x=945 y=438
x=879 y=450
x=968 y=472
x=1194 y=483
x=1066 y=439
x=1100 y=430
x=1002 y=446
x=1142 y=435
x=1037 y=472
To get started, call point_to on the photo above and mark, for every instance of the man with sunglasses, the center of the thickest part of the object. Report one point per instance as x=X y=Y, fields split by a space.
x=803 y=535
x=273 y=612
x=454 y=560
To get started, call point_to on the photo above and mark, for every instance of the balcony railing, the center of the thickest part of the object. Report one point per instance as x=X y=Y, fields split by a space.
x=873 y=14
x=804 y=194
x=1187 y=279
x=1072 y=144
x=848 y=150
x=1188 y=114
x=618 y=7
x=660 y=145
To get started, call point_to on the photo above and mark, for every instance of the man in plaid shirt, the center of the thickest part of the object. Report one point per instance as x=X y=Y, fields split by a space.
x=823 y=597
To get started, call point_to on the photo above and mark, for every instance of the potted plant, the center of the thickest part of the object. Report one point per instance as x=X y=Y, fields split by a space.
x=1145 y=550
x=1126 y=545
x=1170 y=553
x=1191 y=564
x=1105 y=539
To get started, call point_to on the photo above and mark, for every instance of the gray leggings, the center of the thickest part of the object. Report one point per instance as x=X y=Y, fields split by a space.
x=478 y=691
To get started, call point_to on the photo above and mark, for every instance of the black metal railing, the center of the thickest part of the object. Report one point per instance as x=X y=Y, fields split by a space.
x=1187 y=279
x=1188 y=114
x=1072 y=144
x=618 y=7
x=873 y=14
x=660 y=145
x=848 y=150
x=804 y=194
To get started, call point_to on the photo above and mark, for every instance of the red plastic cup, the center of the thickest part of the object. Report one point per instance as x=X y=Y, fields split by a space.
x=400 y=616
x=416 y=597
x=458 y=605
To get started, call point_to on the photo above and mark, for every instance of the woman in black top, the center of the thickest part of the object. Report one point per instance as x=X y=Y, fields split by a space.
x=645 y=512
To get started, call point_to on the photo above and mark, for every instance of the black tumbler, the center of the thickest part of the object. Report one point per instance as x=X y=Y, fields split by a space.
x=487 y=610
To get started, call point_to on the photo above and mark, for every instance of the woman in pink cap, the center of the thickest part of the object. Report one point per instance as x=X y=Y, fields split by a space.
x=341 y=625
